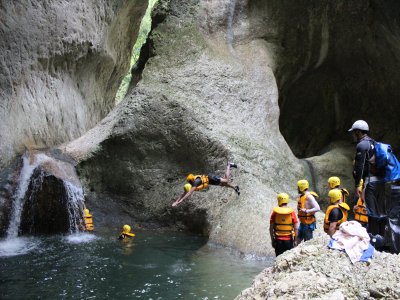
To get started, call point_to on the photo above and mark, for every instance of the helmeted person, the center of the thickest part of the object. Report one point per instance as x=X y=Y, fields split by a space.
x=126 y=232
x=334 y=183
x=88 y=217
x=336 y=213
x=360 y=210
x=307 y=206
x=283 y=225
x=200 y=182
x=364 y=169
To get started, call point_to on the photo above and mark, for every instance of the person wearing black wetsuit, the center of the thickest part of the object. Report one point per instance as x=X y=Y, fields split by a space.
x=364 y=168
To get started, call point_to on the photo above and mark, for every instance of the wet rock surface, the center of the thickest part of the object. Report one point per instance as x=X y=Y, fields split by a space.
x=45 y=209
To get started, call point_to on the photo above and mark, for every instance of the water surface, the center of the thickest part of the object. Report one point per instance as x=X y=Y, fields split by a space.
x=97 y=266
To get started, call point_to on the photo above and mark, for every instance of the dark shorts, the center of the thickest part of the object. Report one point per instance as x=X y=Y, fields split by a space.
x=282 y=246
x=214 y=179
x=306 y=232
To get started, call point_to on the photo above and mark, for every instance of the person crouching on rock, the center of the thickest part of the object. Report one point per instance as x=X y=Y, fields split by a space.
x=199 y=182
x=283 y=225
x=336 y=213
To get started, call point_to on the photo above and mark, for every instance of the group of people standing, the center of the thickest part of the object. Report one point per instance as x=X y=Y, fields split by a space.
x=287 y=230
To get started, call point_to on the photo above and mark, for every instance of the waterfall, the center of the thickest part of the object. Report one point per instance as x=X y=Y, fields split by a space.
x=19 y=196
x=47 y=188
x=75 y=206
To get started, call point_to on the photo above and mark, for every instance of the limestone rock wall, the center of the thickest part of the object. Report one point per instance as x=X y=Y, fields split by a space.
x=203 y=100
x=61 y=63
x=252 y=81
x=337 y=62
x=312 y=271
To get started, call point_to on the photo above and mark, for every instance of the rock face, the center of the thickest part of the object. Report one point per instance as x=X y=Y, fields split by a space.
x=48 y=198
x=50 y=206
x=312 y=271
x=200 y=103
x=337 y=62
x=208 y=93
x=250 y=81
x=61 y=63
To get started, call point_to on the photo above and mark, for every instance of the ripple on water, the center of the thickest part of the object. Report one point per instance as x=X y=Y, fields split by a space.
x=18 y=246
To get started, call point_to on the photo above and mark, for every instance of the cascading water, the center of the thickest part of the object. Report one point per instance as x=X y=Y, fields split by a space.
x=48 y=199
x=23 y=183
x=75 y=206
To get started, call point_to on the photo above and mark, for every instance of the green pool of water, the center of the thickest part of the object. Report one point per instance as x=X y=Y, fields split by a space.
x=97 y=266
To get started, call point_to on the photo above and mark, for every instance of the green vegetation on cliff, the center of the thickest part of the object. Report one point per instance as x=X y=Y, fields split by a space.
x=145 y=27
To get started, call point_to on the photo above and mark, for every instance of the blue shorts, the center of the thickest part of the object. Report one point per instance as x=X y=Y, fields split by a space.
x=305 y=232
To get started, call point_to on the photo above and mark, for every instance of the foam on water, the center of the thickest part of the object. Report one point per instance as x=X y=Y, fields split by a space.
x=80 y=238
x=18 y=246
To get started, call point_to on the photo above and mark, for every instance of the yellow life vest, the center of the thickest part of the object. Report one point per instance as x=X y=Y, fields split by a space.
x=204 y=182
x=88 y=221
x=343 y=207
x=283 y=223
x=305 y=218
x=361 y=213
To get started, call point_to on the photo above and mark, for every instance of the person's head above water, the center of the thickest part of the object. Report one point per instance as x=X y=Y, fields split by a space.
x=126 y=229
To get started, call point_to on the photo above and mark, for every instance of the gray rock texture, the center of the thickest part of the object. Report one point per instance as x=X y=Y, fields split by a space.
x=53 y=201
x=312 y=271
x=208 y=93
x=61 y=64
x=200 y=102
x=250 y=81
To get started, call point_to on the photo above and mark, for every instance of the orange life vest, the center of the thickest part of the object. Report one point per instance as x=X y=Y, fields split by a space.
x=283 y=222
x=343 y=207
x=204 y=182
x=88 y=222
x=305 y=218
x=361 y=213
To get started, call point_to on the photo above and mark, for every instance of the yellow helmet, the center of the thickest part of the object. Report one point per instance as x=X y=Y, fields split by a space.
x=190 y=178
x=126 y=229
x=283 y=198
x=333 y=182
x=334 y=195
x=187 y=187
x=302 y=185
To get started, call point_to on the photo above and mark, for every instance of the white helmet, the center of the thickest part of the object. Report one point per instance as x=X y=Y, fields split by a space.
x=360 y=125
